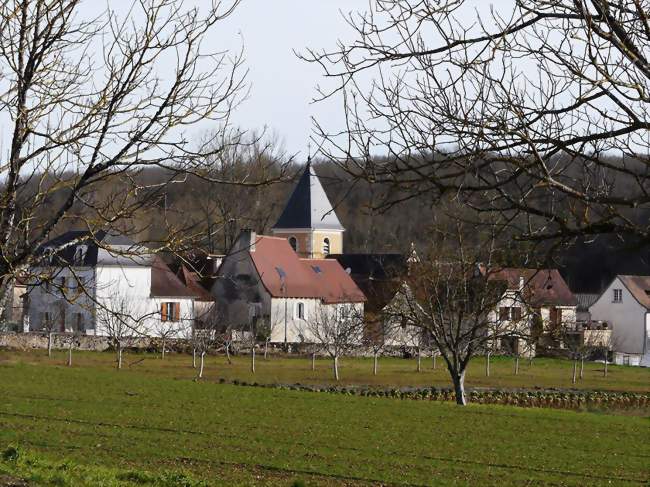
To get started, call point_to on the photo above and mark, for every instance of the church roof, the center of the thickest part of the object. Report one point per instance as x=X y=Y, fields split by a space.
x=308 y=206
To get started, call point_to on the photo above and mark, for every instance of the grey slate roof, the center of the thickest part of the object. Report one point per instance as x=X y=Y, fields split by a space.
x=106 y=249
x=308 y=206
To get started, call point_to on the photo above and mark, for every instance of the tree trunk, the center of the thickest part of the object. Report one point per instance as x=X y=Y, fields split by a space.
x=575 y=370
x=228 y=353
x=517 y=364
x=119 y=356
x=313 y=361
x=530 y=360
x=266 y=350
x=434 y=355
x=459 y=388
x=253 y=359
x=194 y=357
x=336 y=367
x=605 y=369
x=162 y=354
x=487 y=365
x=374 y=364
x=70 y=354
x=582 y=367
x=201 y=366
x=419 y=360
x=49 y=344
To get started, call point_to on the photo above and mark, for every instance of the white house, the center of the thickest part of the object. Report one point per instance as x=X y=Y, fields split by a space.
x=89 y=278
x=625 y=304
x=536 y=304
x=263 y=280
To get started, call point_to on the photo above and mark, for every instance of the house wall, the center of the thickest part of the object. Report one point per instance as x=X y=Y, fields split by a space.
x=300 y=330
x=237 y=287
x=627 y=318
x=113 y=288
x=40 y=300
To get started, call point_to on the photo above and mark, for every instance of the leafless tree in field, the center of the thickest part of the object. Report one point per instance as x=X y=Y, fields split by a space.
x=122 y=322
x=532 y=108
x=338 y=330
x=378 y=335
x=96 y=102
x=451 y=297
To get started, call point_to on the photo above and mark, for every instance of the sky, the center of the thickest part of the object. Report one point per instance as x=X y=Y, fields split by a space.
x=282 y=86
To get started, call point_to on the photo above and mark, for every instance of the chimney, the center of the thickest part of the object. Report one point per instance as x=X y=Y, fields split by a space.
x=521 y=283
x=249 y=237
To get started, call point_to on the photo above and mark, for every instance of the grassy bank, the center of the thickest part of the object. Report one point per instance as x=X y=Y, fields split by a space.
x=149 y=421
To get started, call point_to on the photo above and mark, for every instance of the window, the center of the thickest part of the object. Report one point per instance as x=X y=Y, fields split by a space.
x=170 y=311
x=79 y=322
x=300 y=311
x=326 y=246
x=509 y=313
x=293 y=241
x=618 y=295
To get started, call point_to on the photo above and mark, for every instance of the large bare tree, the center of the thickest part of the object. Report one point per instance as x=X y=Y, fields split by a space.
x=451 y=298
x=93 y=101
x=539 y=108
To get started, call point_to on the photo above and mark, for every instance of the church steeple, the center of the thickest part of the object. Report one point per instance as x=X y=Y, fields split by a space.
x=309 y=221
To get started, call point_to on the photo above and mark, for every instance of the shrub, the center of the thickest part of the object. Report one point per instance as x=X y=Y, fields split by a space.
x=10 y=454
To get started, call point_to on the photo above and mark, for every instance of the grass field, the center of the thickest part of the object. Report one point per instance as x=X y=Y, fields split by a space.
x=544 y=373
x=150 y=418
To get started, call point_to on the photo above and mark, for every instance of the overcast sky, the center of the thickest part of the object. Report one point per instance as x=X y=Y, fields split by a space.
x=282 y=86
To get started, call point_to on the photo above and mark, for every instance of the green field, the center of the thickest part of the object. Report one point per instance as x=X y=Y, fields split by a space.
x=150 y=418
x=543 y=373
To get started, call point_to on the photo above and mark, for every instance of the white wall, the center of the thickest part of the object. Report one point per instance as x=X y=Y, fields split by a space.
x=298 y=330
x=41 y=301
x=627 y=318
x=111 y=287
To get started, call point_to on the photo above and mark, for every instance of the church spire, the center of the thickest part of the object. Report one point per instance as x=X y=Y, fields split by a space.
x=308 y=206
x=308 y=220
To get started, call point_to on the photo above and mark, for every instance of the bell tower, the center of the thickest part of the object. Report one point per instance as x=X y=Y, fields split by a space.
x=308 y=221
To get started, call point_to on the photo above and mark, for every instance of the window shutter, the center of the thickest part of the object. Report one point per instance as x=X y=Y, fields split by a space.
x=163 y=312
x=517 y=313
x=177 y=312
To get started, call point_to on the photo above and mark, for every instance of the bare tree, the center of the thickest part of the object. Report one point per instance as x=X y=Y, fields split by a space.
x=121 y=320
x=380 y=334
x=337 y=329
x=538 y=108
x=90 y=113
x=452 y=297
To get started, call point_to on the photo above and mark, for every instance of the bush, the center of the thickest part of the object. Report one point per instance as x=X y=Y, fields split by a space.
x=10 y=454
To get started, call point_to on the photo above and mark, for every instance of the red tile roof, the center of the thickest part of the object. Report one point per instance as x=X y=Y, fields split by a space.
x=166 y=284
x=541 y=286
x=284 y=274
x=639 y=287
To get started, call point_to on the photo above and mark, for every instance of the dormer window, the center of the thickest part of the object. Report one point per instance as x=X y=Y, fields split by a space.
x=326 y=246
x=618 y=296
x=293 y=241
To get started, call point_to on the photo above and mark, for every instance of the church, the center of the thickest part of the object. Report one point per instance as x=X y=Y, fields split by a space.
x=280 y=283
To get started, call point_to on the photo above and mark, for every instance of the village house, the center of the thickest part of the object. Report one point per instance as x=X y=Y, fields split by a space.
x=284 y=282
x=87 y=277
x=263 y=282
x=625 y=306
x=538 y=306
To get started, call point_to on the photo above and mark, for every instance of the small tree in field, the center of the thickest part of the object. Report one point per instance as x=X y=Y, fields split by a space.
x=378 y=336
x=120 y=320
x=337 y=329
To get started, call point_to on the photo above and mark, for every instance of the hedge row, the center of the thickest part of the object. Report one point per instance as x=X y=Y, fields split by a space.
x=559 y=399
